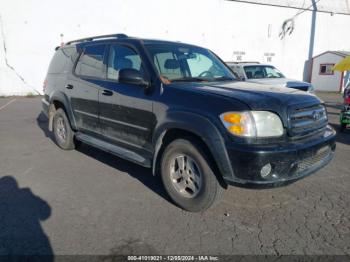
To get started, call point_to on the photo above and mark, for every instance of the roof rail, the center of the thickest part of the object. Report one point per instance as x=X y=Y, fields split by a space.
x=96 y=37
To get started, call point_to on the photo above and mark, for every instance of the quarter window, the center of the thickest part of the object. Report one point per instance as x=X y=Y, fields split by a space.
x=90 y=63
x=60 y=60
x=122 y=57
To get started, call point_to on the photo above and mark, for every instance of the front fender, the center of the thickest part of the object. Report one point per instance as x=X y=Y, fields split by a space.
x=203 y=128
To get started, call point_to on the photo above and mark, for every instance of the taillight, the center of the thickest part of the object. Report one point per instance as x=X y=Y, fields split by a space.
x=45 y=85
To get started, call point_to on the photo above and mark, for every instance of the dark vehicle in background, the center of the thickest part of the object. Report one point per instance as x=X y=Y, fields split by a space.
x=267 y=75
x=178 y=109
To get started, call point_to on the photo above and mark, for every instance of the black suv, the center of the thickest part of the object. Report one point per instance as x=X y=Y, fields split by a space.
x=178 y=109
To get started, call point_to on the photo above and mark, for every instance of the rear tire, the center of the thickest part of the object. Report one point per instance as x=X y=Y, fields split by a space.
x=188 y=177
x=64 y=135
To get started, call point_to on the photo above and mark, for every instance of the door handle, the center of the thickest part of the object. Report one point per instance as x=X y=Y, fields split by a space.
x=69 y=86
x=107 y=93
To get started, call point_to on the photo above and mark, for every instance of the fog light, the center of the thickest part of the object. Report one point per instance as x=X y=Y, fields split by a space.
x=266 y=170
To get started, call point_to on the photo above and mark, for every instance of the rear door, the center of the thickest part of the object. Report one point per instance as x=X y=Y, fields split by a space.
x=84 y=85
x=126 y=116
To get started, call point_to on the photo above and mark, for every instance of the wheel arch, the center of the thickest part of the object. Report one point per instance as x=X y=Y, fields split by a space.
x=60 y=100
x=182 y=125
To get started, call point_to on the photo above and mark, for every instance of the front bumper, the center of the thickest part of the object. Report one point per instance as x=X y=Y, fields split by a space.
x=289 y=162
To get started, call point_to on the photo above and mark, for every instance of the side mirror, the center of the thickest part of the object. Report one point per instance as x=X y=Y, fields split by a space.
x=132 y=77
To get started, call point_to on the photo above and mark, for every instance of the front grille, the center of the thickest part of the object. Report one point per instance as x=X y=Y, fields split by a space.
x=305 y=120
x=315 y=160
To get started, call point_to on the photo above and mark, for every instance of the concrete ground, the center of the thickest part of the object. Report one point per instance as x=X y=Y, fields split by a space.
x=90 y=202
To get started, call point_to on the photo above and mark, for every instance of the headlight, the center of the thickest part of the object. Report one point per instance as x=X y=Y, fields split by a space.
x=252 y=123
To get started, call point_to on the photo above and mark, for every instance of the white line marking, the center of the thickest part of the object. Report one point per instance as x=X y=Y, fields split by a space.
x=9 y=102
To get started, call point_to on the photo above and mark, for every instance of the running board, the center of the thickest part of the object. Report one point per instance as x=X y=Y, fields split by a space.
x=113 y=149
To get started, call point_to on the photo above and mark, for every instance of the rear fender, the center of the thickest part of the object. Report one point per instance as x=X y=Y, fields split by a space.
x=63 y=99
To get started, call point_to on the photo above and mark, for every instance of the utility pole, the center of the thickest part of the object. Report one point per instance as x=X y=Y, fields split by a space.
x=312 y=39
x=313 y=29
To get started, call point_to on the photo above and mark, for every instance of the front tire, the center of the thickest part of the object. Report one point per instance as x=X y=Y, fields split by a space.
x=188 y=176
x=64 y=135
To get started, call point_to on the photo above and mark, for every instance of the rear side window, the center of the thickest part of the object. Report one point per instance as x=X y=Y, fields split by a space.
x=59 y=62
x=90 y=63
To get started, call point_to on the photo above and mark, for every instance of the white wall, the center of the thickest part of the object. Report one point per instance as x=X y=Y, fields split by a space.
x=32 y=28
x=326 y=82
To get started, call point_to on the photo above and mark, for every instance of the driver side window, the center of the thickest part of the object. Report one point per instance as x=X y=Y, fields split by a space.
x=122 y=57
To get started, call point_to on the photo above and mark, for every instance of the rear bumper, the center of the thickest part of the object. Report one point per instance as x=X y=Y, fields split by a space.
x=288 y=162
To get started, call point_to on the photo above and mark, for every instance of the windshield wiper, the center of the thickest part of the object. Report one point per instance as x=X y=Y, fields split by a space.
x=190 y=79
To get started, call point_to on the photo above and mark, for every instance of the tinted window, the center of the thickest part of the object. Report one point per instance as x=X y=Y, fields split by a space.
x=59 y=60
x=122 y=57
x=91 y=62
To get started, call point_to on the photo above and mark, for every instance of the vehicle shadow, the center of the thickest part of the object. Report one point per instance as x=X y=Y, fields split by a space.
x=42 y=122
x=21 y=235
x=342 y=137
x=144 y=175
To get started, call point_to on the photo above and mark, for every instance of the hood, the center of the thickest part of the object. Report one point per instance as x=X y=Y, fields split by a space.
x=282 y=82
x=260 y=97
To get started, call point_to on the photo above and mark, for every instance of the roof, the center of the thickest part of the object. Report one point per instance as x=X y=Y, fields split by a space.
x=342 y=53
x=338 y=53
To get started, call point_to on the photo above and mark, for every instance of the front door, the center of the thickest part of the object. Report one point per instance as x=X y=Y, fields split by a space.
x=126 y=116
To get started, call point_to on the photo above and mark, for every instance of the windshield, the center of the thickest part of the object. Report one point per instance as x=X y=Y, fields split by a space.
x=262 y=71
x=177 y=63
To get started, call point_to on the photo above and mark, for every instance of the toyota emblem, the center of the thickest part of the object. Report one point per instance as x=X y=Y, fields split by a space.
x=316 y=115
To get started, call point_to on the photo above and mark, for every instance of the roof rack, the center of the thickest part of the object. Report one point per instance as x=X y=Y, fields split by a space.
x=96 y=37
